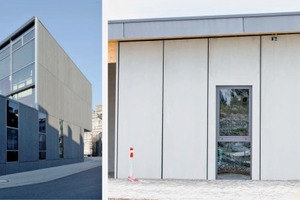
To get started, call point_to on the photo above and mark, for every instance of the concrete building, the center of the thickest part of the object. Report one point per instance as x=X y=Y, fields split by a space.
x=93 y=139
x=42 y=88
x=205 y=97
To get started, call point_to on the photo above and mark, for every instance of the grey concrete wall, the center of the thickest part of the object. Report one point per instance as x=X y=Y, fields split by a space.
x=52 y=138
x=63 y=91
x=280 y=108
x=185 y=109
x=28 y=134
x=140 y=108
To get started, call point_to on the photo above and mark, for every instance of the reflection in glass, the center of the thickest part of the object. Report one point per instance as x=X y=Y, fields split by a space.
x=17 y=44
x=5 y=86
x=4 y=52
x=28 y=36
x=5 y=67
x=12 y=114
x=12 y=139
x=42 y=122
x=23 y=56
x=23 y=78
x=25 y=97
x=234 y=112
x=42 y=142
x=234 y=160
x=61 y=139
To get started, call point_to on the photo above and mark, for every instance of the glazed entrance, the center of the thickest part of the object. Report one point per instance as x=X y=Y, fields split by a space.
x=233 y=132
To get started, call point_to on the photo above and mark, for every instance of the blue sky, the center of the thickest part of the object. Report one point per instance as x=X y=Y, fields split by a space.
x=75 y=24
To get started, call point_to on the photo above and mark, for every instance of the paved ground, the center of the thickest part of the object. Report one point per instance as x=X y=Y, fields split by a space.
x=75 y=181
x=82 y=185
x=48 y=174
x=210 y=190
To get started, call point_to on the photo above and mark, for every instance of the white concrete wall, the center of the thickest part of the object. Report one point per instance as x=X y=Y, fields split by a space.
x=270 y=65
x=234 y=61
x=140 y=108
x=185 y=109
x=280 y=108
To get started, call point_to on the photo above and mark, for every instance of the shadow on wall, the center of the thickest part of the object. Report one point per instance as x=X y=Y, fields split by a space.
x=32 y=142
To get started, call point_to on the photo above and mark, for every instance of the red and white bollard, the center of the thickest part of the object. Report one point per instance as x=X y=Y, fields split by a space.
x=131 y=176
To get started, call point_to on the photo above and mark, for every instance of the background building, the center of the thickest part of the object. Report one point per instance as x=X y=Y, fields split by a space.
x=35 y=71
x=93 y=139
x=205 y=97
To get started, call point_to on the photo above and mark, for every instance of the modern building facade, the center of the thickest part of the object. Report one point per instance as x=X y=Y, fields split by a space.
x=205 y=97
x=48 y=102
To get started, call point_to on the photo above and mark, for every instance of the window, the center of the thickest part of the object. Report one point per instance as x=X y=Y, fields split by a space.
x=28 y=36
x=234 y=132
x=23 y=56
x=17 y=44
x=5 y=67
x=4 y=52
x=5 y=86
x=61 y=139
x=12 y=131
x=12 y=139
x=12 y=114
x=17 y=68
x=23 y=78
x=42 y=136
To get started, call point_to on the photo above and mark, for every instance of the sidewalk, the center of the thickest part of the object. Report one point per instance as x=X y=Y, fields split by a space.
x=122 y=189
x=48 y=174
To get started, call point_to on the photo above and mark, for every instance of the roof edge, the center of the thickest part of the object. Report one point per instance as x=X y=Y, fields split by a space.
x=26 y=25
x=273 y=14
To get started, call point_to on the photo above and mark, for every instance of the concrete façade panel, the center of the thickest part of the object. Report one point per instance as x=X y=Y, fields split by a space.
x=140 y=108
x=2 y=169
x=185 y=109
x=12 y=167
x=3 y=133
x=234 y=61
x=280 y=108
x=52 y=138
x=72 y=141
x=66 y=87
x=27 y=166
x=28 y=134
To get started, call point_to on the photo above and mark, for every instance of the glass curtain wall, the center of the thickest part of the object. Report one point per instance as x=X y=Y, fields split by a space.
x=17 y=71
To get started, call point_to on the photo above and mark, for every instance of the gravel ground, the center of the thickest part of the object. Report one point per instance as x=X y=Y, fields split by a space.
x=122 y=189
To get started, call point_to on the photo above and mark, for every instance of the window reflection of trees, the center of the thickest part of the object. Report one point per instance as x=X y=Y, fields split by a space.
x=234 y=112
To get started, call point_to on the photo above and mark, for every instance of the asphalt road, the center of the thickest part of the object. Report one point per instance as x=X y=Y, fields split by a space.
x=83 y=185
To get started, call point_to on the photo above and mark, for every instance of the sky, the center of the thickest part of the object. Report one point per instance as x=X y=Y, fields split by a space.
x=75 y=25
x=137 y=9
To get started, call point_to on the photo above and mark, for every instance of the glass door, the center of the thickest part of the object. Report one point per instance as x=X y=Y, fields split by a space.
x=234 y=132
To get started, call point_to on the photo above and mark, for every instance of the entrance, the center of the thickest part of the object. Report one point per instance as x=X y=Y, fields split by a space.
x=234 y=132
